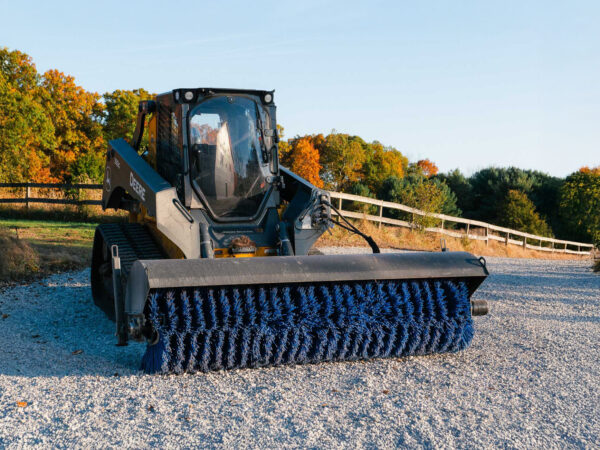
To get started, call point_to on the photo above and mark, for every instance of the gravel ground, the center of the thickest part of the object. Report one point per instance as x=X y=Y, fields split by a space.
x=530 y=379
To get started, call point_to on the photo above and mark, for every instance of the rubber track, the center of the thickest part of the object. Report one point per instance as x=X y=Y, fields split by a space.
x=134 y=242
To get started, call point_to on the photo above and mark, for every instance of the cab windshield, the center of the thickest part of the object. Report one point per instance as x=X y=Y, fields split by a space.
x=228 y=160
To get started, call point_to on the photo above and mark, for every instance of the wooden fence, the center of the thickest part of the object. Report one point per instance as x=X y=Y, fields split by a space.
x=471 y=229
x=28 y=199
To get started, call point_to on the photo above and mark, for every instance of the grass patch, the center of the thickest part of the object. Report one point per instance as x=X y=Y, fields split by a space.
x=35 y=248
x=18 y=258
x=66 y=213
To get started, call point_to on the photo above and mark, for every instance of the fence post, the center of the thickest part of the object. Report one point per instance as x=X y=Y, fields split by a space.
x=524 y=242
x=487 y=236
x=380 y=214
x=27 y=195
x=468 y=227
x=507 y=238
x=552 y=246
x=340 y=203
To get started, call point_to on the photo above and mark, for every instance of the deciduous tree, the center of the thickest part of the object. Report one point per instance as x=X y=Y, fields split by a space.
x=76 y=115
x=428 y=167
x=382 y=163
x=26 y=132
x=415 y=190
x=580 y=206
x=342 y=158
x=121 y=113
x=305 y=161
x=518 y=212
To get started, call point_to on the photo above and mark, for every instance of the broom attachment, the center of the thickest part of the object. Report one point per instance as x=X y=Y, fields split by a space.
x=210 y=329
x=233 y=313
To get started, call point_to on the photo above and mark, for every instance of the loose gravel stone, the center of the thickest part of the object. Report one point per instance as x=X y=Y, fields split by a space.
x=529 y=379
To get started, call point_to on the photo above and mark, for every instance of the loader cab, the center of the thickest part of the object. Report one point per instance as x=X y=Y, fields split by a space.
x=218 y=147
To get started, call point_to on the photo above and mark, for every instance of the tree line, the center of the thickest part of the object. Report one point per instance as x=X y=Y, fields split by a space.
x=525 y=200
x=52 y=130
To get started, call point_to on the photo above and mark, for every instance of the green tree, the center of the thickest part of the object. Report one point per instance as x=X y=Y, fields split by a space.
x=450 y=204
x=19 y=71
x=518 y=212
x=361 y=190
x=416 y=191
x=490 y=187
x=26 y=133
x=580 y=206
x=284 y=148
x=382 y=163
x=76 y=115
x=460 y=186
x=121 y=113
x=342 y=158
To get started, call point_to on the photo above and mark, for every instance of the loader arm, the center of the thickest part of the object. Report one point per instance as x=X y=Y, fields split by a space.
x=307 y=214
x=129 y=182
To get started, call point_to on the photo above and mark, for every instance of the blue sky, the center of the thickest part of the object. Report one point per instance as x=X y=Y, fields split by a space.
x=467 y=84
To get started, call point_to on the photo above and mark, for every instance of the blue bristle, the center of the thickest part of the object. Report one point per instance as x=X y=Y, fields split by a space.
x=231 y=350
x=212 y=319
x=407 y=307
x=294 y=346
x=305 y=342
x=332 y=343
x=389 y=342
x=182 y=336
x=245 y=346
x=255 y=348
x=218 y=343
x=268 y=343
x=276 y=305
x=282 y=341
x=225 y=308
x=263 y=305
x=205 y=351
x=216 y=328
x=321 y=344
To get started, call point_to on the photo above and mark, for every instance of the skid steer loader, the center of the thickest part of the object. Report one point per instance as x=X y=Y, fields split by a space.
x=212 y=270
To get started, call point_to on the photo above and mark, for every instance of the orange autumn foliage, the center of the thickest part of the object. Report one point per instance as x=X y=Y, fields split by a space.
x=74 y=113
x=428 y=167
x=306 y=161
x=590 y=170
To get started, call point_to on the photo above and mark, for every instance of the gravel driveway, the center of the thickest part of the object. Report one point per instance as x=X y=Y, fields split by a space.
x=531 y=378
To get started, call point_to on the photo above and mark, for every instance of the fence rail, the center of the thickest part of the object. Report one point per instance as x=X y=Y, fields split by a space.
x=488 y=231
x=27 y=199
x=504 y=235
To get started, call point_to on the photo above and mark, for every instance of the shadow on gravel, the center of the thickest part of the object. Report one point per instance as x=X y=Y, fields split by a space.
x=571 y=319
x=564 y=279
x=570 y=286
x=52 y=328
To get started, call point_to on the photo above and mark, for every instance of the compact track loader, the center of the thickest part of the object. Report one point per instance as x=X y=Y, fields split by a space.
x=213 y=271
